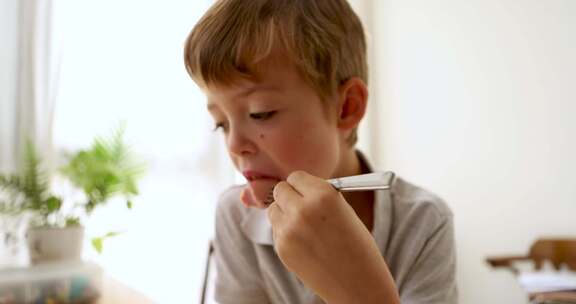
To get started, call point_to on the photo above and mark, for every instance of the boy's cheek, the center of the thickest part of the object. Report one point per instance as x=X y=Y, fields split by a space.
x=316 y=157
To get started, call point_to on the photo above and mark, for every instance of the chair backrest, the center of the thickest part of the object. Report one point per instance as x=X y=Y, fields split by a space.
x=557 y=251
x=206 y=280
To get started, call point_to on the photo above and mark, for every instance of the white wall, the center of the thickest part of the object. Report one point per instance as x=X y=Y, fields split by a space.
x=478 y=103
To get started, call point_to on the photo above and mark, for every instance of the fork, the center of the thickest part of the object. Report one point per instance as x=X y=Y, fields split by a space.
x=363 y=182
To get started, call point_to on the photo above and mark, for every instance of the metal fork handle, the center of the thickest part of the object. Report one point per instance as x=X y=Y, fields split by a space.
x=364 y=182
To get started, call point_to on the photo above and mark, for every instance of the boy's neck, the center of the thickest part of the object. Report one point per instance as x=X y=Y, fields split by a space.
x=350 y=164
x=361 y=202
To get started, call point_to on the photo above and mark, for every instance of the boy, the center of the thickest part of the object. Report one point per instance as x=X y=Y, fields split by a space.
x=286 y=83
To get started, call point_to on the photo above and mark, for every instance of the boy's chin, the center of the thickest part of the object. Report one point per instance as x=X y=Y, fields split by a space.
x=247 y=198
x=253 y=197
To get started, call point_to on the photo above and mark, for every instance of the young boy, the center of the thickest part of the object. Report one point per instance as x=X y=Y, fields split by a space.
x=286 y=84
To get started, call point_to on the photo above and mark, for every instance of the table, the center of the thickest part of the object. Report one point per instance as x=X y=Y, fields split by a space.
x=114 y=292
x=77 y=281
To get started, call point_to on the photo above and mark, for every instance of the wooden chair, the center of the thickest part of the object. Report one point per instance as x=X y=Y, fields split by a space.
x=556 y=251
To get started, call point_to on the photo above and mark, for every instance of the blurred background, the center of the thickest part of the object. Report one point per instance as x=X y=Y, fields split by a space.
x=474 y=100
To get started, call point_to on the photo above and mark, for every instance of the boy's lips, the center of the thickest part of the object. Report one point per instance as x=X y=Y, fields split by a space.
x=259 y=186
x=252 y=175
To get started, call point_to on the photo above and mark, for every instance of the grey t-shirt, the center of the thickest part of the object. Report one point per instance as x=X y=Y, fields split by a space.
x=412 y=228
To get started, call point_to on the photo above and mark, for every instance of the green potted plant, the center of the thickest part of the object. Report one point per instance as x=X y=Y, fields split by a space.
x=106 y=170
x=26 y=196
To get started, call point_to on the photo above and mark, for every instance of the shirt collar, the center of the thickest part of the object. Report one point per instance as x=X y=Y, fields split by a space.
x=259 y=230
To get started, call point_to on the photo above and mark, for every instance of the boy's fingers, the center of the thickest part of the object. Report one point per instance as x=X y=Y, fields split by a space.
x=306 y=183
x=286 y=196
x=274 y=213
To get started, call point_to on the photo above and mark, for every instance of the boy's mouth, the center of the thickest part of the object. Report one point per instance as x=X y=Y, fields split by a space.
x=259 y=187
x=255 y=175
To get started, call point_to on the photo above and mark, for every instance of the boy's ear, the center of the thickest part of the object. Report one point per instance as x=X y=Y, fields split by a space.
x=353 y=99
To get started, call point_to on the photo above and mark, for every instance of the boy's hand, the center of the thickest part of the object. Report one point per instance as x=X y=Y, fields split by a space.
x=318 y=236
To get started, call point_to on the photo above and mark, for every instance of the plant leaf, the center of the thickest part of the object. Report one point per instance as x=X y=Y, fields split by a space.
x=97 y=244
x=53 y=204
x=72 y=221
x=111 y=234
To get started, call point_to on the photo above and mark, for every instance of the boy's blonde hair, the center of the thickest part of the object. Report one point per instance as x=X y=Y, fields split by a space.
x=323 y=38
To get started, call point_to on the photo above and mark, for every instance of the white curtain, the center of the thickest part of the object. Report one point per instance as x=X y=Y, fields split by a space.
x=28 y=81
x=8 y=68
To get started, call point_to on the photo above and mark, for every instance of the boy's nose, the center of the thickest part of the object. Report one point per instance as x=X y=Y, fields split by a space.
x=239 y=143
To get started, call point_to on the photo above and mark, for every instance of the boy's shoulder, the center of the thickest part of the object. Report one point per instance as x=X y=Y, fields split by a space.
x=417 y=201
x=229 y=204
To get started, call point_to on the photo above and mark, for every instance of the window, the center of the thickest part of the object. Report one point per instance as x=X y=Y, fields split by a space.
x=122 y=61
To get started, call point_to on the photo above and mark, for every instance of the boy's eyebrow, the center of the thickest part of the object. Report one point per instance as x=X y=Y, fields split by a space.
x=246 y=92
x=258 y=87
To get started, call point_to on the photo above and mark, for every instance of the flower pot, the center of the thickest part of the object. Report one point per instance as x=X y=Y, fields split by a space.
x=50 y=244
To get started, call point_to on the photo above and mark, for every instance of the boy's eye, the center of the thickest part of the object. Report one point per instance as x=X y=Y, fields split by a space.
x=262 y=115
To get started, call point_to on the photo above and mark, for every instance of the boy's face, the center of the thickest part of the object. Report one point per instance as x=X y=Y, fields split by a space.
x=275 y=126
